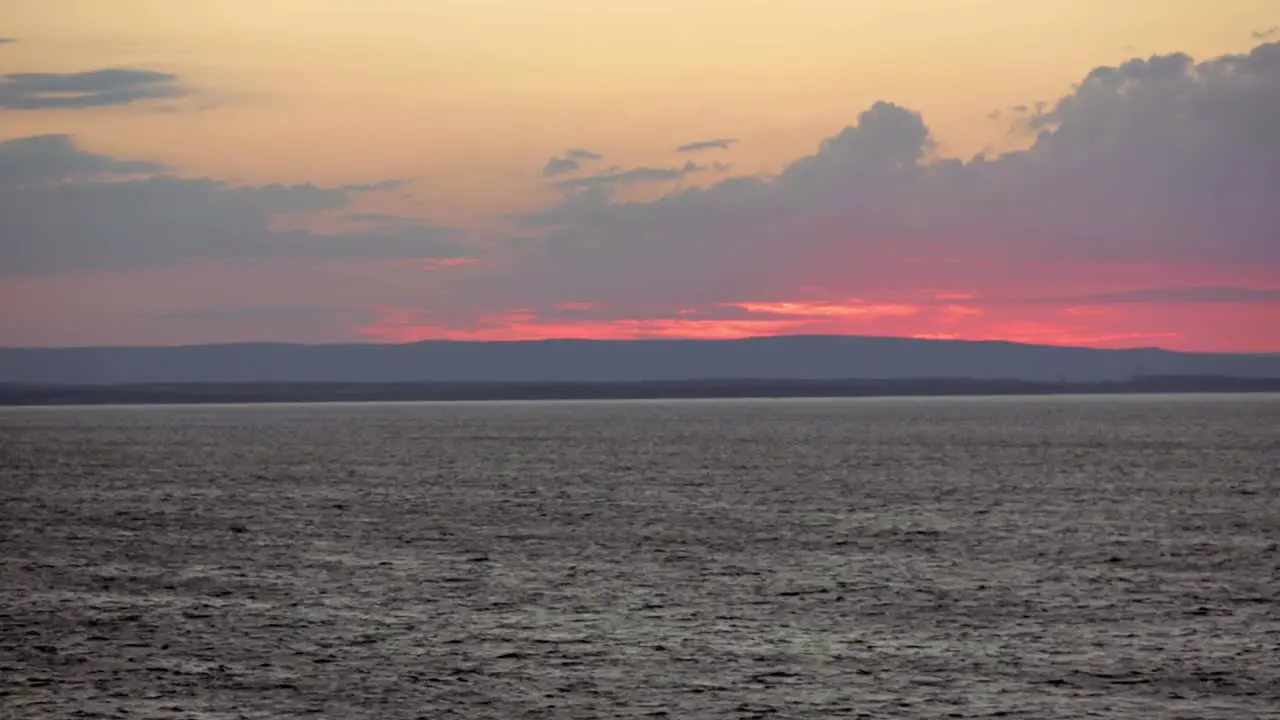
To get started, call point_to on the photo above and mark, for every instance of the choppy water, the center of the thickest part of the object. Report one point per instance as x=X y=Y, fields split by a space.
x=1021 y=558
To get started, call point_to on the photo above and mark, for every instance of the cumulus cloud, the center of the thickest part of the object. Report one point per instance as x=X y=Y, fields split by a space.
x=64 y=209
x=570 y=161
x=715 y=144
x=1162 y=160
x=1152 y=159
x=94 y=88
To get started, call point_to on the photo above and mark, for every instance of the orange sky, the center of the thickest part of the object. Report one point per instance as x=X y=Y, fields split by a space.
x=463 y=102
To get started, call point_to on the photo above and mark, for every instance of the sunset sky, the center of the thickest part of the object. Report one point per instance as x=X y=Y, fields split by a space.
x=1084 y=172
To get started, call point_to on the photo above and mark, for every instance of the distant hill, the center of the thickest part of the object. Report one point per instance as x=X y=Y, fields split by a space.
x=771 y=358
x=264 y=392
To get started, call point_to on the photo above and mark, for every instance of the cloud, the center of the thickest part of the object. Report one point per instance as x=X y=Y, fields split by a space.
x=375 y=218
x=571 y=161
x=95 y=88
x=1143 y=200
x=286 y=313
x=64 y=209
x=633 y=176
x=559 y=166
x=7 y=40
x=853 y=309
x=43 y=159
x=1177 y=295
x=406 y=325
x=716 y=144
x=444 y=263
x=1161 y=169
x=569 y=306
x=1267 y=34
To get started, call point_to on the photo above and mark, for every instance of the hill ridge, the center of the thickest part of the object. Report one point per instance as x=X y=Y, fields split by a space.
x=791 y=357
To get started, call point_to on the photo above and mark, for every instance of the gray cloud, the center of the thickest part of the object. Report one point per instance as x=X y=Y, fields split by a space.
x=560 y=166
x=1267 y=34
x=379 y=186
x=715 y=144
x=570 y=161
x=95 y=88
x=1178 y=295
x=632 y=176
x=63 y=209
x=6 y=40
x=275 y=313
x=43 y=159
x=376 y=218
x=1160 y=160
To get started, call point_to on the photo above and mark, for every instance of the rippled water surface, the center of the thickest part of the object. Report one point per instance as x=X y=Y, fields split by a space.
x=913 y=558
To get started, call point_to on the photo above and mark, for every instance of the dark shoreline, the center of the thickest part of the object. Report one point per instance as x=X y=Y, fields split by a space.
x=214 y=393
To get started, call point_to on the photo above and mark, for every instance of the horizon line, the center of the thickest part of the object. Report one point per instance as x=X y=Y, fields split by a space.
x=639 y=340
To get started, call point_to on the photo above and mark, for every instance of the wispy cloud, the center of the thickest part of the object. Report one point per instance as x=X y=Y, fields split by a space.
x=713 y=144
x=1271 y=32
x=851 y=309
x=95 y=88
x=635 y=176
x=393 y=324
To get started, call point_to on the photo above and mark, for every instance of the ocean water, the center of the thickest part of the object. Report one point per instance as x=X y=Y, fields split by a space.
x=883 y=558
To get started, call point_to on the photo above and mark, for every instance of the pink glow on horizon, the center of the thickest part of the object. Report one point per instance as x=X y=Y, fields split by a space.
x=398 y=325
x=434 y=264
x=850 y=309
x=996 y=314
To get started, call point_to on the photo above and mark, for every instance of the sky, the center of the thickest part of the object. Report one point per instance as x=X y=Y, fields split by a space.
x=1079 y=172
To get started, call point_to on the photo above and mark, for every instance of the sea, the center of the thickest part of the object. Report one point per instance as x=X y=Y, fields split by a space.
x=1030 y=557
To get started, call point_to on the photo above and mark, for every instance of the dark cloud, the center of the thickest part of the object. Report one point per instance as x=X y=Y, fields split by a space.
x=95 y=88
x=570 y=161
x=1162 y=160
x=1267 y=34
x=716 y=144
x=64 y=209
x=6 y=40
